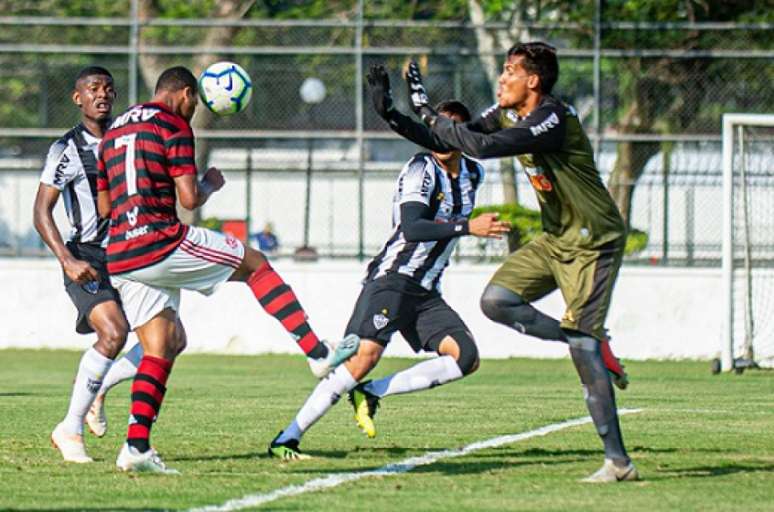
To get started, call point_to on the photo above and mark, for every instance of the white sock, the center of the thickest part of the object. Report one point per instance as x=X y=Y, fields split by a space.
x=324 y=396
x=123 y=369
x=88 y=380
x=424 y=375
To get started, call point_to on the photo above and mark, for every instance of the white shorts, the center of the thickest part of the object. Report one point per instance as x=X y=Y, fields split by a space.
x=202 y=261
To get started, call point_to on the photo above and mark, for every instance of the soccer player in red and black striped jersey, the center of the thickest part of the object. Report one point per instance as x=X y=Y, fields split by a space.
x=146 y=164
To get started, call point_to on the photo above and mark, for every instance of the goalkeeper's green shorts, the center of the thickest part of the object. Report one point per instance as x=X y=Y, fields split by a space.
x=586 y=278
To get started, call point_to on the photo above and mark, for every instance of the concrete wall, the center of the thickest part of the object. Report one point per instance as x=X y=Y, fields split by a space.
x=656 y=312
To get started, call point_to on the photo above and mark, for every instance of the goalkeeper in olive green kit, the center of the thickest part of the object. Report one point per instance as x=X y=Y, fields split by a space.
x=581 y=248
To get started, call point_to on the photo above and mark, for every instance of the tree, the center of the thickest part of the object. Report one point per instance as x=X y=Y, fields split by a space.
x=151 y=65
x=489 y=43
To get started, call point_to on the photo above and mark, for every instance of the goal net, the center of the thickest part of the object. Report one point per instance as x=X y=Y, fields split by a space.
x=748 y=241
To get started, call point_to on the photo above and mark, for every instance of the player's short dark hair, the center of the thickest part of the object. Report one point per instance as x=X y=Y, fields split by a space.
x=91 y=71
x=176 y=79
x=454 y=108
x=539 y=59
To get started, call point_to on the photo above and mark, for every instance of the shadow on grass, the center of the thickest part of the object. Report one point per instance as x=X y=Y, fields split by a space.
x=321 y=454
x=712 y=471
x=227 y=456
x=479 y=463
x=13 y=394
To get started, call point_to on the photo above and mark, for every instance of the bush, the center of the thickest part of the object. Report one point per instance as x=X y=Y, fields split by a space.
x=525 y=223
x=635 y=242
x=212 y=223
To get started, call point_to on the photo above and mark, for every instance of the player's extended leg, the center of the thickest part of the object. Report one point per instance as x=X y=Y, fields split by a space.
x=107 y=320
x=278 y=299
x=329 y=390
x=600 y=400
x=161 y=341
x=458 y=358
x=508 y=308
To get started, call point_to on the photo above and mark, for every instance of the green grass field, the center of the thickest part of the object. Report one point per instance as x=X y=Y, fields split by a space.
x=701 y=442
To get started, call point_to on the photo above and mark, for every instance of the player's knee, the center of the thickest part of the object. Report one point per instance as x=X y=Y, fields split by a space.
x=467 y=355
x=181 y=342
x=251 y=261
x=365 y=360
x=111 y=337
x=500 y=304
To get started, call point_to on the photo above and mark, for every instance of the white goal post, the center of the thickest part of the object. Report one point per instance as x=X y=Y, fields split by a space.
x=748 y=241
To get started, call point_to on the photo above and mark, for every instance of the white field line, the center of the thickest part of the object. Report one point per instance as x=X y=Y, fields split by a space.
x=336 y=479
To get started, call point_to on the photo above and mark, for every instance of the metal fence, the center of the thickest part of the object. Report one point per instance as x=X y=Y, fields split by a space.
x=651 y=95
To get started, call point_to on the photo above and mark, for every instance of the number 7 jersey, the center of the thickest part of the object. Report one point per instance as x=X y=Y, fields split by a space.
x=139 y=157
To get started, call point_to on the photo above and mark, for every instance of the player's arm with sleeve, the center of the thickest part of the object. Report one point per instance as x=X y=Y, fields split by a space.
x=405 y=126
x=59 y=170
x=543 y=131
x=416 y=217
x=180 y=153
x=421 y=135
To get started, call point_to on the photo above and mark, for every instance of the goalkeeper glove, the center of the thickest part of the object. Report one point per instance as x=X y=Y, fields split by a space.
x=418 y=99
x=381 y=92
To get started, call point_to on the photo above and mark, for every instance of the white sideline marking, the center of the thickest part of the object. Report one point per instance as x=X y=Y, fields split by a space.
x=335 y=479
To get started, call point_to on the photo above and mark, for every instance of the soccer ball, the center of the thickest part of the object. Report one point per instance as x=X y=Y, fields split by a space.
x=225 y=88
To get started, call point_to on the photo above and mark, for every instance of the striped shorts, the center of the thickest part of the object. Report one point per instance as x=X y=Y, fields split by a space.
x=202 y=261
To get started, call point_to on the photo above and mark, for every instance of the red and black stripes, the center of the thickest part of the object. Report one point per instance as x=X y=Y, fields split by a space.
x=278 y=299
x=141 y=154
x=148 y=390
x=211 y=255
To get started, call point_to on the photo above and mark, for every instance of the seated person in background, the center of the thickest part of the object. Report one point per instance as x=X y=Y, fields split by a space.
x=267 y=240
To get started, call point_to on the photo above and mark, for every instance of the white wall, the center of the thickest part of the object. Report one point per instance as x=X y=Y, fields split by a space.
x=656 y=312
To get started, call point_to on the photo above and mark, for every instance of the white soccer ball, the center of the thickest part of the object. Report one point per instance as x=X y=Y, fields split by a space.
x=225 y=88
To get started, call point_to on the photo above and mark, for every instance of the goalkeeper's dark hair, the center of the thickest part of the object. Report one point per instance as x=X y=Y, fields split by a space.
x=91 y=71
x=539 y=59
x=176 y=79
x=454 y=108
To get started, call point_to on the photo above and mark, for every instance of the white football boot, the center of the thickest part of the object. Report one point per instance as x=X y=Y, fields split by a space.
x=149 y=462
x=609 y=472
x=337 y=354
x=69 y=445
x=95 y=418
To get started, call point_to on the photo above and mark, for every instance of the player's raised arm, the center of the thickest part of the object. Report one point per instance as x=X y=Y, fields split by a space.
x=543 y=131
x=406 y=127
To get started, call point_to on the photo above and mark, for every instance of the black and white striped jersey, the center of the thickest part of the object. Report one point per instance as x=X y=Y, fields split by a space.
x=71 y=167
x=449 y=199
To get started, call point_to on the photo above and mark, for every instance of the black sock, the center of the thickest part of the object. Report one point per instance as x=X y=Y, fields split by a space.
x=600 y=398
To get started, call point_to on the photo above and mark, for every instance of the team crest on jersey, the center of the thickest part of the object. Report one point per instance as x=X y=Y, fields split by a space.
x=131 y=215
x=91 y=287
x=231 y=241
x=381 y=320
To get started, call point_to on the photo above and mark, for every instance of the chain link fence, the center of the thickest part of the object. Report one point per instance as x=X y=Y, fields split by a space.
x=651 y=96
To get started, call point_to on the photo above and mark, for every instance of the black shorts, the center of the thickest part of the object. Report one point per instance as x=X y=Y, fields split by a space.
x=396 y=303
x=88 y=295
